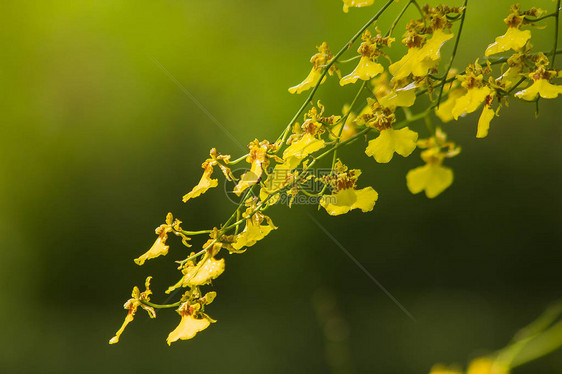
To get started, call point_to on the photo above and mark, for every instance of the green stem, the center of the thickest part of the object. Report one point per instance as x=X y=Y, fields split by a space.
x=191 y=233
x=420 y=10
x=344 y=119
x=397 y=19
x=238 y=159
x=457 y=40
x=556 y=24
x=160 y=306
x=540 y=18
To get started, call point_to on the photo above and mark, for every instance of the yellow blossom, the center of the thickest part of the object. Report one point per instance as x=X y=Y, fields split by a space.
x=189 y=324
x=258 y=160
x=204 y=184
x=540 y=87
x=206 y=181
x=254 y=231
x=132 y=305
x=356 y=3
x=445 y=110
x=302 y=148
x=207 y=269
x=348 y=199
x=369 y=50
x=401 y=141
x=470 y=101
x=433 y=177
x=365 y=70
x=514 y=39
x=345 y=196
x=418 y=61
x=159 y=248
x=401 y=97
x=318 y=60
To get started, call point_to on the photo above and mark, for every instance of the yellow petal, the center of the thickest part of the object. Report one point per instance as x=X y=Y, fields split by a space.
x=431 y=49
x=159 y=248
x=401 y=141
x=188 y=328
x=248 y=179
x=303 y=147
x=253 y=232
x=345 y=200
x=209 y=270
x=205 y=183
x=403 y=68
x=356 y=3
x=484 y=365
x=418 y=61
x=445 y=110
x=484 y=121
x=470 y=101
x=128 y=319
x=402 y=97
x=431 y=178
x=365 y=70
x=310 y=81
x=514 y=39
x=540 y=87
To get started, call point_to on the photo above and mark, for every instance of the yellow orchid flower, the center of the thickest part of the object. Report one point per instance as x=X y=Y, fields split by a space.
x=254 y=231
x=320 y=59
x=206 y=181
x=470 y=101
x=433 y=177
x=365 y=70
x=348 y=199
x=303 y=147
x=189 y=324
x=418 y=61
x=514 y=38
x=401 y=141
x=540 y=87
x=204 y=184
x=159 y=248
x=207 y=269
x=132 y=305
x=541 y=82
x=345 y=196
x=258 y=160
x=401 y=97
x=367 y=67
x=445 y=110
x=356 y=3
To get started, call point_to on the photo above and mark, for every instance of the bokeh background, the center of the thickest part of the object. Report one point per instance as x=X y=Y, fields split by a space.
x=98 y=144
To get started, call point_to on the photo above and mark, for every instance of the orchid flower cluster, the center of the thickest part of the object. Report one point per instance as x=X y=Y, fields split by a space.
x=380 y=113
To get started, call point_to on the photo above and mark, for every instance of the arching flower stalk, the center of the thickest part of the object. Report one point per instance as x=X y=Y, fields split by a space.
x=382 y=120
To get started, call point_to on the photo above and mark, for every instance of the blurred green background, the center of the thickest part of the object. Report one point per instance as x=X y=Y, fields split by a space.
x=98 y=144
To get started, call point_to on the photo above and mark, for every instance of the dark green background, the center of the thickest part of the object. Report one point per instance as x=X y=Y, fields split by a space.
x=98 y=144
